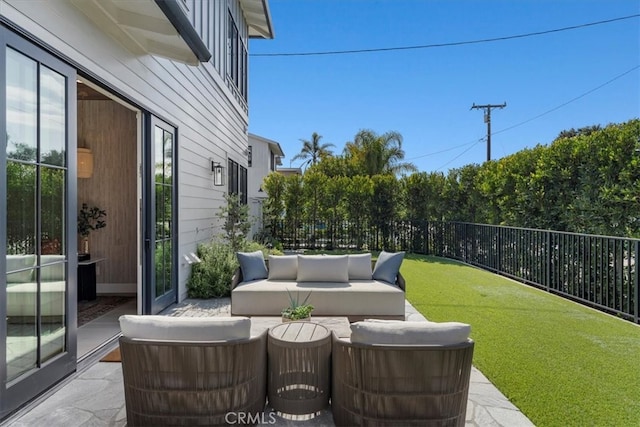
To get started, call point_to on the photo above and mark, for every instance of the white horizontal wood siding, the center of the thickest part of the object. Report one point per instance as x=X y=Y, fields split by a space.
x=210 y=122
x=210 y=20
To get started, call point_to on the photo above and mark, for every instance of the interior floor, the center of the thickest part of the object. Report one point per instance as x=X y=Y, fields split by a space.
x=98 y=331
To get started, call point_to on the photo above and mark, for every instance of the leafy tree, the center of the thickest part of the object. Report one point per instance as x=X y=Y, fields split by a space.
x=293 y=205
x=236 y=223
x=372 y=154
x=358 y=196
x=332 y=166
x=313 y=151
x=585 y=131
x=312 y=190
x=335 y=190
x=384 y=206
x=274 y=185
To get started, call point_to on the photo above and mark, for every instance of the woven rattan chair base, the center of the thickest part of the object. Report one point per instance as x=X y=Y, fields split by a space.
x=181 y=383
x=400 y=385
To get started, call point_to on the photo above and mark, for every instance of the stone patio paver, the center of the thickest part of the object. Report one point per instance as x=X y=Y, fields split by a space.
x=95 y=397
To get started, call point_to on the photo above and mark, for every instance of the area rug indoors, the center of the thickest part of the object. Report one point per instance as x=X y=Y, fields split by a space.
x=91 y=310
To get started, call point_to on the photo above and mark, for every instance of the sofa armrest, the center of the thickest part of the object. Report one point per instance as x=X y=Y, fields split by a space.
x=400 y=282
x=236 y=279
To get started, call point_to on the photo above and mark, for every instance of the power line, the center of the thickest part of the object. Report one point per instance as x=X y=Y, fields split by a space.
x=569 y=102
x=442 y=151
x=461 y=43
x=461 y=154
x=526 y=121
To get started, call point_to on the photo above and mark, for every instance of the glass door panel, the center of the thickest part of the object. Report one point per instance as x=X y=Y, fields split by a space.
x=39 y=91
x=163 y=292
x=36 y=262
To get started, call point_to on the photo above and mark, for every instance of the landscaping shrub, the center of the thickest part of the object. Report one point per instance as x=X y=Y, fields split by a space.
x=212 y=277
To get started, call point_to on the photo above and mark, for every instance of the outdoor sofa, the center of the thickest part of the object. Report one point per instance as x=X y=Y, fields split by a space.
x=337 y=285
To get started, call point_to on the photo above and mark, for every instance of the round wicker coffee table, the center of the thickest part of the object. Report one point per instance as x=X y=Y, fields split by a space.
x=299 y=356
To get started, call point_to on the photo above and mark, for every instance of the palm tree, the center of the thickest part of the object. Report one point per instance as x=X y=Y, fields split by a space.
x=377 y=154
x=312 y=151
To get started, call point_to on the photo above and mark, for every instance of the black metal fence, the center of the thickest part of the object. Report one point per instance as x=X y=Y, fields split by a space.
x=599 y=271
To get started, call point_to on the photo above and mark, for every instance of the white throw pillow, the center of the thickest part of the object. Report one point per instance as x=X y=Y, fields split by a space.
x=283 y=267
x=334 y=268
x=360 y=267
x=166 y=328
x=410 y=333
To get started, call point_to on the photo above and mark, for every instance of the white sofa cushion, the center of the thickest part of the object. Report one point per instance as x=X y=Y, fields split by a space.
x=18 y=262
x=333 y=268
x=360 y=267
x=409 y=333
x=283 y=267
x=356 y=298
x=166 y=328
x=388 y=266
x=252 y=265
x=52 y=273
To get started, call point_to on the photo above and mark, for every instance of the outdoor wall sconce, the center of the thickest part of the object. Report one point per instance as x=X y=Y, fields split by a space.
x=85 y=163
x=218 y=173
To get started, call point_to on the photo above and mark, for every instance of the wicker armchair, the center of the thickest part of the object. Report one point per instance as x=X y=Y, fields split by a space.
x=189 y=383
x=385 y=385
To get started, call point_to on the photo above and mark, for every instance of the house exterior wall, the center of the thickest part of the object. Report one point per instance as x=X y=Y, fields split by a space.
x=210 y=116
x=260 y=168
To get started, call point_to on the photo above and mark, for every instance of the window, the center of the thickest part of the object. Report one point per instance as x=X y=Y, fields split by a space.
x=238 y=181
x=250 y=156
x=236 y=58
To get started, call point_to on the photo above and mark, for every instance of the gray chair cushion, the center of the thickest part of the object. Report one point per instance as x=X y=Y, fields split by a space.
x=388 y=266
x=252 y=265
x=409 y=333
x=169 y=328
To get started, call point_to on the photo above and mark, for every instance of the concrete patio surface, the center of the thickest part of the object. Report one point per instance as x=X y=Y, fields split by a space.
x=95 y=396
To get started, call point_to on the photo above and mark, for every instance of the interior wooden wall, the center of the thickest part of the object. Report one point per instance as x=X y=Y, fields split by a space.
x=109 y=130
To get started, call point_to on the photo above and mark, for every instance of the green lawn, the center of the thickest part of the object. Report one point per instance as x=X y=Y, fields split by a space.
x=560 y=363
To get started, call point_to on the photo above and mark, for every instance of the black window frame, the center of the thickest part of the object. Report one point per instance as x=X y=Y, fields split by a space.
x=237 y=181
x=237 y=58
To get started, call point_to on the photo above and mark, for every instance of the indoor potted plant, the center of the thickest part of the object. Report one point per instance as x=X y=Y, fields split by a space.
x=89 y=219
x=297 y=310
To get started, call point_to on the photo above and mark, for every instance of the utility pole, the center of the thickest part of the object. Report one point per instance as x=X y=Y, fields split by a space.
x=487 y=119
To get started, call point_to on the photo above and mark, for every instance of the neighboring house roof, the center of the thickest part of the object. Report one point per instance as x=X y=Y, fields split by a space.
x=289 y=171
x=273 y=145
x=258 y=17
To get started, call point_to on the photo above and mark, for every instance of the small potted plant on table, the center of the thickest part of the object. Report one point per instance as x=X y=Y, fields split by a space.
x=297 y=310
x=89 y=219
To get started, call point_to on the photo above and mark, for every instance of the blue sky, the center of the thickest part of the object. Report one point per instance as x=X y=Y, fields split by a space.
x=426 y=94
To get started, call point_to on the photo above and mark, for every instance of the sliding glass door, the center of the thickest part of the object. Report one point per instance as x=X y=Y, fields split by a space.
x=38 y=237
